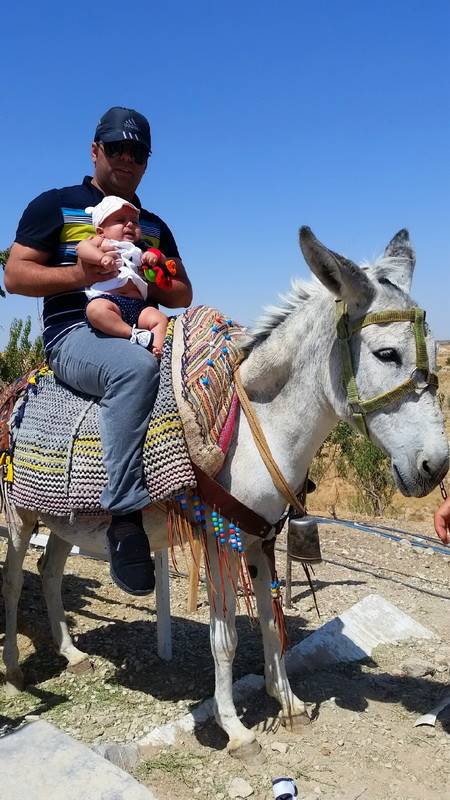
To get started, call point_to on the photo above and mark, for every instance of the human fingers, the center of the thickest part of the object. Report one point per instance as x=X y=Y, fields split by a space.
x=100 y=272
x=442 y=525
x=149 y=259
x=107 y=261
x=106 y=246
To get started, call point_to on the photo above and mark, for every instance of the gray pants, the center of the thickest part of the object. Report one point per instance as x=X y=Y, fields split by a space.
x=125 y=377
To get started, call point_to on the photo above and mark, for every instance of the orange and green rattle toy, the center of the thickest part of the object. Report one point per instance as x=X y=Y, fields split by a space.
x=161 y=273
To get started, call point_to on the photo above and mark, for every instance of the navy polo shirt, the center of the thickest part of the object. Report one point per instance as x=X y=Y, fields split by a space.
x=55 y=222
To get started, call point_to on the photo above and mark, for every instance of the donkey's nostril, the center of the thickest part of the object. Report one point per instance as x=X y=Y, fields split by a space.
x=426 y=467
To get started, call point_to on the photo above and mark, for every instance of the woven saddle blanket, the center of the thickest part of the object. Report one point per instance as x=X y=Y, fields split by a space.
x=55 y=440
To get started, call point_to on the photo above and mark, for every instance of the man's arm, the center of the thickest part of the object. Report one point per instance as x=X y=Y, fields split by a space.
x=180 y=295
x=27 y=273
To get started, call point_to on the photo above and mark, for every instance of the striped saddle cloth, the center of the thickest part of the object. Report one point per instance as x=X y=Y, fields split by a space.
x=56 y=451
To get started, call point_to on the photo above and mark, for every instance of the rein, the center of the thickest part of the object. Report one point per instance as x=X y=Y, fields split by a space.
x=260 y=440
x=420 y=379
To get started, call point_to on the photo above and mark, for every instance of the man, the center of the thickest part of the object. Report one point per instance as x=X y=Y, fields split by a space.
x=442 y=521
x=124 y=375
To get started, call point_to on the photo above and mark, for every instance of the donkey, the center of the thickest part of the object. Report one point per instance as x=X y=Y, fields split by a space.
x=297 y=362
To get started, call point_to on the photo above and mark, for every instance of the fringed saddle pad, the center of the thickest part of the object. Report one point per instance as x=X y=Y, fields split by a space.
x=206 y=352
x=57 y=455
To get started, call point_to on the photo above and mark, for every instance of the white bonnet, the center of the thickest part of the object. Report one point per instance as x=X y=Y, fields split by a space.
x=107 y=206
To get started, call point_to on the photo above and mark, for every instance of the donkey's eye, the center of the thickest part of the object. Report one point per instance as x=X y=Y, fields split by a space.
x=388 y=355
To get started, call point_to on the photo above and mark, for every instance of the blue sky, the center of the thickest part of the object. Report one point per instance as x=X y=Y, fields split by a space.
x=264 y=115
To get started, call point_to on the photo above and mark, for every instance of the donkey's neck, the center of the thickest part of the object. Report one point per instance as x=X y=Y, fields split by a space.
x=288 y=377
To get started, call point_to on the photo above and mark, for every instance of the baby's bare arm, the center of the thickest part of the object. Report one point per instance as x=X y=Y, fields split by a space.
x=90 y=250
x=99 y=251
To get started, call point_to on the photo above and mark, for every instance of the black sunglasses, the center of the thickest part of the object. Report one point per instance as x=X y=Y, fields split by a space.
x=138 y=152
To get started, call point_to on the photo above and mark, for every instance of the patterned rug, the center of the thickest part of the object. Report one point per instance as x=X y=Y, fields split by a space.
x=56 y=447
x=206 y=351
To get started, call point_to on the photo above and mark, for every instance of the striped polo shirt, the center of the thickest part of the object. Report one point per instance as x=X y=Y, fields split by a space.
x=54 y=223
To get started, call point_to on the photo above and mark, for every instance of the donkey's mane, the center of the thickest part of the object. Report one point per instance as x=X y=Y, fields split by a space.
x=273 y=316
x=381 y=271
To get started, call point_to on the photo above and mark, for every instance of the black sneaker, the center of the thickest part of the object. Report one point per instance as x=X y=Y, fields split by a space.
x=131 y=564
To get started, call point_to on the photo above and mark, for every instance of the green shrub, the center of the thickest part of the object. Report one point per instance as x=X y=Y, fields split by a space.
x=21 y=354
x=360 y=463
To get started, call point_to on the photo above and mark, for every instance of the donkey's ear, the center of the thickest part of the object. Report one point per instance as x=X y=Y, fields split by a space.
x=341 y=276
x=400 y=269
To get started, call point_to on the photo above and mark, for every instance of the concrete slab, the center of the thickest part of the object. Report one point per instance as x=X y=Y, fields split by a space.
x=352 y=636
x=41 y=762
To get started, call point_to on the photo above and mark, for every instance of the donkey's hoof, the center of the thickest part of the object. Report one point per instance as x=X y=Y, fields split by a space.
x=296 y=723
x=14 y=684
x=80 y=667
x=247 y=752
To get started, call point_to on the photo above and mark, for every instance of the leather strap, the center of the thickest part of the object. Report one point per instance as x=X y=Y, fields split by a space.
x=231 y=508
x=260 y=440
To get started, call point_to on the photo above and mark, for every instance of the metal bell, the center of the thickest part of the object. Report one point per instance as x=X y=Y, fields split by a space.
x=303 y=542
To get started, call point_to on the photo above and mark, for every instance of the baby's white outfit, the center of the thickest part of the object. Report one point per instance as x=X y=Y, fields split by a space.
x=131 y=261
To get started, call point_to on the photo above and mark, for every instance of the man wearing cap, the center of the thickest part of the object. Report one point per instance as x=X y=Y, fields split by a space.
x=44 y=263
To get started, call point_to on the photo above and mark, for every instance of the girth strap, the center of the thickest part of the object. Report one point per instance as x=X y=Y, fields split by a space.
x=231 y=508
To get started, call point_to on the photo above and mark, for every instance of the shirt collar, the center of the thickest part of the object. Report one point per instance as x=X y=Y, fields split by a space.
x=87 y=181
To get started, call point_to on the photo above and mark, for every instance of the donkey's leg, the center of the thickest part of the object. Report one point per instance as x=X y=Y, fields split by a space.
x=242 y=741
x=20 y=527
x=293 y=709
x=51 y=566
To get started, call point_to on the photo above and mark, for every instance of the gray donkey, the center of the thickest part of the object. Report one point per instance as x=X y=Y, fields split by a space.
x=303 y=373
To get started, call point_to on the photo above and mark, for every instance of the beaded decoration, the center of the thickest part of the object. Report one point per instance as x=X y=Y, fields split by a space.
x=231 y=558
x=216 y=331
x=275 y=587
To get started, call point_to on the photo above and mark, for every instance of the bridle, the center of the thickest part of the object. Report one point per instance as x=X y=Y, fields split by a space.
x=420 y=379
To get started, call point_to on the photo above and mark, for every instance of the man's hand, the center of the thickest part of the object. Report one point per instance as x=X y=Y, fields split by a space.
x=442 y=521
x=90 y=273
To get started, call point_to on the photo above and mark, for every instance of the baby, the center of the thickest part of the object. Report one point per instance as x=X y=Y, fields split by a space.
x=119 y=307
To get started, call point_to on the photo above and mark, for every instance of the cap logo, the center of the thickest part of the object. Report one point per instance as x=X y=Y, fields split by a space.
x=129 y=128
x=130 y=123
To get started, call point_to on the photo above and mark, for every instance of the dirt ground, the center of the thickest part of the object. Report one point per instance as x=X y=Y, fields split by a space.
x=362 y=742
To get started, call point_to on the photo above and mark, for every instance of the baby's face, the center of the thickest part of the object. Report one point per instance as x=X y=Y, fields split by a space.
x=122 y=225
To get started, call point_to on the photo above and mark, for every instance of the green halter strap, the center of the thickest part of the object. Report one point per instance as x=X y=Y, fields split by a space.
x=421 y=377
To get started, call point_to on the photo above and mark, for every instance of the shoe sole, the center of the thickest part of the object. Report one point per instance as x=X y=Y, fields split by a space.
x=127 y=589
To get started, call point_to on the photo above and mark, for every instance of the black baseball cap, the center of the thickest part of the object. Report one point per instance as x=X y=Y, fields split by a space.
x=123 y=123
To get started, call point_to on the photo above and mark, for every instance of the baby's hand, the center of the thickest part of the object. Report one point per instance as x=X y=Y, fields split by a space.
x=106 y=246
x=150 y=259
x=108 y=261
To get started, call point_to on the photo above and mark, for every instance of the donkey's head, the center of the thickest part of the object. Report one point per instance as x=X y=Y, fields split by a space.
x=383 y=360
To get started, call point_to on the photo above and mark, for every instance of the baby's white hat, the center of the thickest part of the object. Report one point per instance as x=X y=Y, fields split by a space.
x=106 y=207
